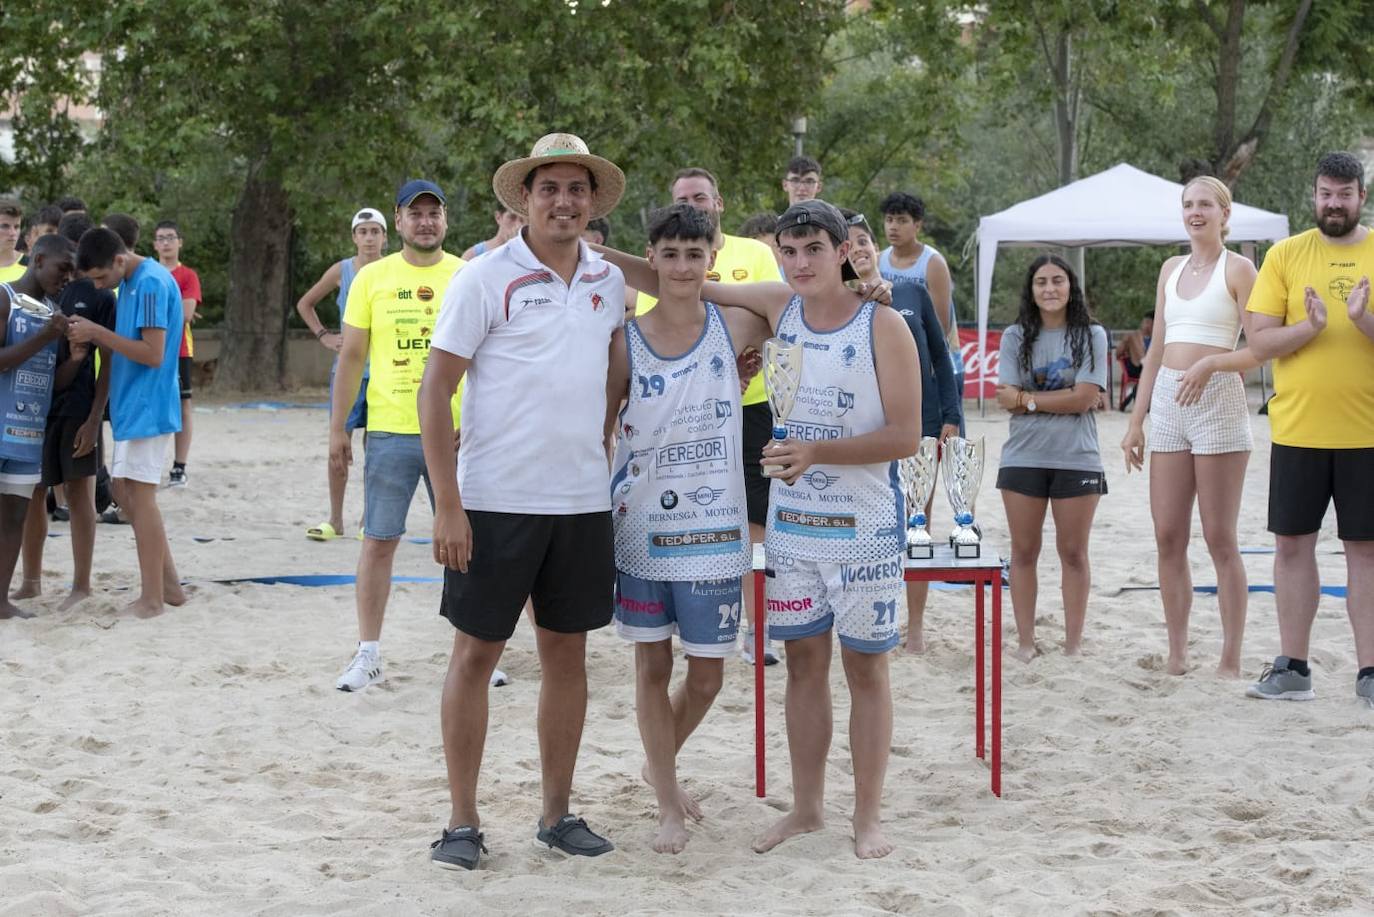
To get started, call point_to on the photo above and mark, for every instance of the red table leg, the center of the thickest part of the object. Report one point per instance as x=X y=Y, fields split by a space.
x=978 y=583
x=760 y=624
x=997 y=686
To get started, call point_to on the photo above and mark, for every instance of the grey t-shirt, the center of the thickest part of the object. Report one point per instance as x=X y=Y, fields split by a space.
x=1063 y=441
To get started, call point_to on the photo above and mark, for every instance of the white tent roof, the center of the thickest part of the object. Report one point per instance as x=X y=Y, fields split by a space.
x=1121 y=206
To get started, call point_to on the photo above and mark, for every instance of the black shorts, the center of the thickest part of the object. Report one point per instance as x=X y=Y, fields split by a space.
x=1303 y=482
x=184 y=373
x=564 y=564
x=59 y=441
x=758 y=429
x=1051 y=483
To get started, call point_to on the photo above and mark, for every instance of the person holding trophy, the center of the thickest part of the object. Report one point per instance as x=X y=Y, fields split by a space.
x=1053 y=371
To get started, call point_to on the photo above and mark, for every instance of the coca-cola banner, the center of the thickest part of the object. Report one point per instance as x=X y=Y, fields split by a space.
x=973 y=360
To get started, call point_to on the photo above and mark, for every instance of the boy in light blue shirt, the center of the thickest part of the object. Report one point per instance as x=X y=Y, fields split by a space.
x=145 y=397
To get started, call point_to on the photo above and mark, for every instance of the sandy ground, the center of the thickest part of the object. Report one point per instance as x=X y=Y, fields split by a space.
x=204 y=763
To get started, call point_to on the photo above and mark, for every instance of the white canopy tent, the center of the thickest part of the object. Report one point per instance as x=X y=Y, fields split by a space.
x=1121 y=206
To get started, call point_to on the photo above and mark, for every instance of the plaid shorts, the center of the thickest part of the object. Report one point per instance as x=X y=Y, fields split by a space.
x=1219 y=421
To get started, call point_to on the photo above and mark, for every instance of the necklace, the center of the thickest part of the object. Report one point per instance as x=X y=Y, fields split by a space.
x=1199 y=269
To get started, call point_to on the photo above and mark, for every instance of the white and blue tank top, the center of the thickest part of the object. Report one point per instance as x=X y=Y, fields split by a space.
x=677 y=487
x=836 y=513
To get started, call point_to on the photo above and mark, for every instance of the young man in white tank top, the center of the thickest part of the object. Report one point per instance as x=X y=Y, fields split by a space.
x=677 y=497
x=1200 y=438
x=835 y=530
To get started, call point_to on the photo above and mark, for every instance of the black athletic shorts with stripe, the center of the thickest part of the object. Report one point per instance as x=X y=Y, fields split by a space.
x=565 y=565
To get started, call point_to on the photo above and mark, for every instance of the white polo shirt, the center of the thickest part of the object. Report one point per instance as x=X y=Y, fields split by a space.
x=535 y=399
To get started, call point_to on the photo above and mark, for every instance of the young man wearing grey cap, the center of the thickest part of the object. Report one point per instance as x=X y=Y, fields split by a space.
x=835 y=521
x=369 y=237
x=392 y=307
x=526 y=510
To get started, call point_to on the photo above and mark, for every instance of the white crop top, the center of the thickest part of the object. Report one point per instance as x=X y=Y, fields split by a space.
x=1210 y=317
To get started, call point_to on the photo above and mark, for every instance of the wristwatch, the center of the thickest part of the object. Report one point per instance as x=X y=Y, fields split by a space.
x=1030 y=405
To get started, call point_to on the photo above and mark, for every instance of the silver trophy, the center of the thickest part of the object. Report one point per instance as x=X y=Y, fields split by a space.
x=917 y=473
x=781 y=379
x=963 y=472
x=35 y=307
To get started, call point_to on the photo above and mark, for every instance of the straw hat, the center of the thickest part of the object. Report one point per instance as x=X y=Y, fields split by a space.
x=551 y=148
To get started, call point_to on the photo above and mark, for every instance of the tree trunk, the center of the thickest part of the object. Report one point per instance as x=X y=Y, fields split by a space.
x=1066 y=122
x=253 y=354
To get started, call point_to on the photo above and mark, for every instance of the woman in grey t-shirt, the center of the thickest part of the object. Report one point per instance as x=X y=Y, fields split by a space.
x=1053 y=370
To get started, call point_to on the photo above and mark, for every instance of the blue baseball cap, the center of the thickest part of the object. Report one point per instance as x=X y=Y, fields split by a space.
x=416 y=187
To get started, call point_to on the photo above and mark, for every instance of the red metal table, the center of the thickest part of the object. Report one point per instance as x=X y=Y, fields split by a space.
x=985 y=571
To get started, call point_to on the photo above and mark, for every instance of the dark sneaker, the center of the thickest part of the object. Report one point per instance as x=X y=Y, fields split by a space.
x=572 y=837
x=1364 y=690
x=176 y=477
x=460 y=848
x=1278 y=682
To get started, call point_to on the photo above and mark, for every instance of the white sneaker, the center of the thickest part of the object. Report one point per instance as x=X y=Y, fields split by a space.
x=499 y=678
x=365 y=669
x=746 y=651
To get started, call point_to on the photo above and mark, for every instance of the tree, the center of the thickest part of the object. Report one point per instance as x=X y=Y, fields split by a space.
x=313 y=103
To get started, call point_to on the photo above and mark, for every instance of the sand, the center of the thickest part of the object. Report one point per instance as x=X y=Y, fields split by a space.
x=203 y=762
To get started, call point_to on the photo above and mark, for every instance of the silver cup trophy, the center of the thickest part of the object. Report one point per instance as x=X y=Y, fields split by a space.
x=963 y=472
x=35 y=307
x=917 y=473
x=781 y=379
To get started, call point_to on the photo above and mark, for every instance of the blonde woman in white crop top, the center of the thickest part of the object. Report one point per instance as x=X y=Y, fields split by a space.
x=1200 y=441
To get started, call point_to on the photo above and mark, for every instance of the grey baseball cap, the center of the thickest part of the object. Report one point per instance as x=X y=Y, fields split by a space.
x=822 y=216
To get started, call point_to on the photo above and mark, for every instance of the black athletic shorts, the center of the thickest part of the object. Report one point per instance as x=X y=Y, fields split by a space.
x=59 y=441
x=184 y=374
x=1051 y=483
x=1303 y=482
x=758 y=429
x=564 y=564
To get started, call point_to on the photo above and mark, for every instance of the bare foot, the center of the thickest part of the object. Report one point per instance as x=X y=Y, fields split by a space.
x=76 y=598
x=672 y=833
x=690 y=807
x=790 y=825
x=1228 y=670
x=916 y=644
x=29 y=589
x=174 y=595
x=1073 y=649
x=1178 y=665
x=870 y=843
x=9 y=611
x=144 y=608
x=1026 y=653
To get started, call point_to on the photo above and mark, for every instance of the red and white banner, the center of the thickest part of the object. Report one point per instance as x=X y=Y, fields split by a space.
x=973 y=361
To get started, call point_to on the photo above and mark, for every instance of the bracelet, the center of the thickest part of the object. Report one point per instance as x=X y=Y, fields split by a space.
x=1019 y=396
x=321 y=333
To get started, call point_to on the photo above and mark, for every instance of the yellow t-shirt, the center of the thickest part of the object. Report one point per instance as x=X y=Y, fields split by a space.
x=1324 y=391
x=397 y=303
x=12 y=273
x=739 y=260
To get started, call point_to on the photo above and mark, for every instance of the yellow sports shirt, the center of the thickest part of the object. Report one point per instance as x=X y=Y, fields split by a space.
x=12 y=273
x=739 y=260
x=397 y=304
x=1324 y=391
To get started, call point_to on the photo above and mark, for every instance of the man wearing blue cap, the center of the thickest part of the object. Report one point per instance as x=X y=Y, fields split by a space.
x=392 y=307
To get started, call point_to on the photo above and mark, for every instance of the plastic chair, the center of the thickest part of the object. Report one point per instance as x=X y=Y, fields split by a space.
x=1129 y=382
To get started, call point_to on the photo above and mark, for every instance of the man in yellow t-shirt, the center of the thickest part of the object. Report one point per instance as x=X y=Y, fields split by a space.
x=393 y=304
x=1309 y=312
x=11 y=218
x=738 y=260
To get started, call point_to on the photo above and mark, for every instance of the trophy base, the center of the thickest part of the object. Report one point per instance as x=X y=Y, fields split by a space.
x=773 y=471
x=920 y=551
x=967 y=551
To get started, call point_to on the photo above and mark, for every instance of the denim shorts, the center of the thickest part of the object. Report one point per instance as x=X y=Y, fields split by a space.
x=357 y=415
x=395 y=464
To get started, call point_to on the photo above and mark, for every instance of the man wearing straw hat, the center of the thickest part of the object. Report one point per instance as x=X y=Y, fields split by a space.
x=526 y=511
